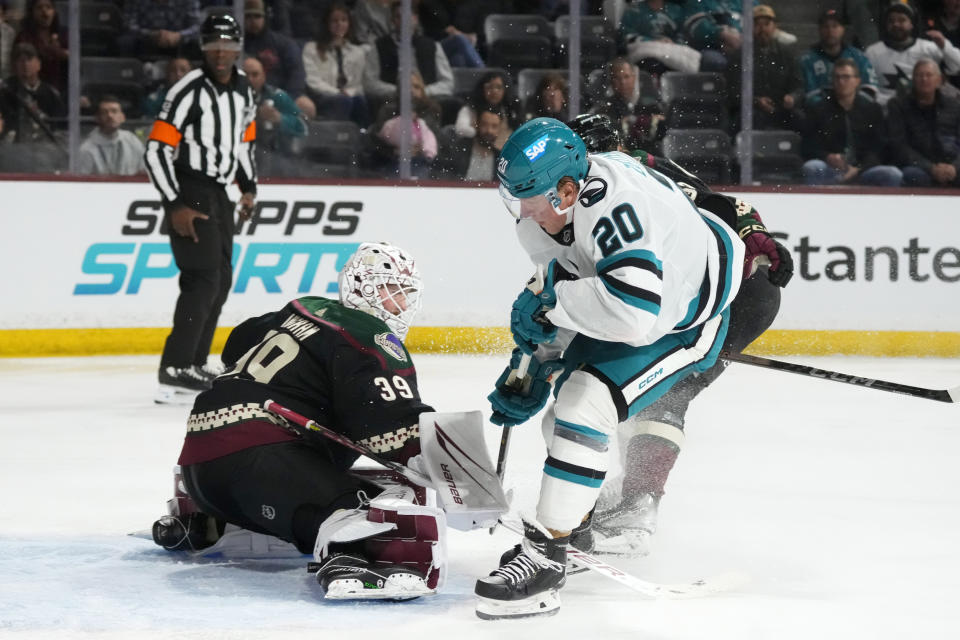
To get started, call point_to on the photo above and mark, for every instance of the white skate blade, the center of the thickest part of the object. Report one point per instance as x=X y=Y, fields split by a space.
x=168 y=394
x=399 y=586
x=541 y=604
x=628 y=544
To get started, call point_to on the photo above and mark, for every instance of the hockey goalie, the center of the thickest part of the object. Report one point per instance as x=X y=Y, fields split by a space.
x=252 y=482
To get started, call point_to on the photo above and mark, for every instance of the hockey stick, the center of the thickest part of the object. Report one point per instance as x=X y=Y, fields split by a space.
x=940 y=395
x=696 y=589
x=518 y=379
x=310 y=425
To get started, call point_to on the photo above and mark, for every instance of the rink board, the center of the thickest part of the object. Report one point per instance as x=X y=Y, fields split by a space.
x=87 y=266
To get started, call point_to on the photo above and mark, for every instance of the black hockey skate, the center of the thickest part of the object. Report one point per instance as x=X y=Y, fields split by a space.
x=180 y=385
x=529 y=583
x=190 y=532
x=350 y=576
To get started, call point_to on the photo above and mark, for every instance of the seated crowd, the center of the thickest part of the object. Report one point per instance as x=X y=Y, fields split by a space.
x=873 y=99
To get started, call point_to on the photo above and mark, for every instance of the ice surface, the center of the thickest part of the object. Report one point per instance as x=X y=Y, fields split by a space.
x=840 y=504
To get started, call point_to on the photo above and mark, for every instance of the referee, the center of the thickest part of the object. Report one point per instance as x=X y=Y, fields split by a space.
x=201 y=142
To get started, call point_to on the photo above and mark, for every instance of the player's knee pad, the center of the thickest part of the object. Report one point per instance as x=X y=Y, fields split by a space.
x=391 y=529
x=584 y=406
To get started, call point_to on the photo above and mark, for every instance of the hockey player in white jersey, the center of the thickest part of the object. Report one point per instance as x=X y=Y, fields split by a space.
x=649 y=442
x=635 y=298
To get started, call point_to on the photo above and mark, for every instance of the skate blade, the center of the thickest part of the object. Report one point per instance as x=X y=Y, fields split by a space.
x=542 y=604
x=167 y=394
x=396 y=587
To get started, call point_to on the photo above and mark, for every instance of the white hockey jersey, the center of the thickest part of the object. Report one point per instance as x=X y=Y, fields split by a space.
x=649 y=261
x=895 y=67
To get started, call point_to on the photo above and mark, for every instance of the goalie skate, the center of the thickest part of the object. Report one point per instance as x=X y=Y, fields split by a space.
x=347 y=576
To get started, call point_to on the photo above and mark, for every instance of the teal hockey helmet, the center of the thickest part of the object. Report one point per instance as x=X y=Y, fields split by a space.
x=537 y=155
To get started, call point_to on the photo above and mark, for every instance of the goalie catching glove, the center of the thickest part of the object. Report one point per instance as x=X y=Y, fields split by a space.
x=515 y=404
x=759 y=244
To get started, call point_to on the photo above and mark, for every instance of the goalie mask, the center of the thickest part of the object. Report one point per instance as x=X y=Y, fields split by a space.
x=382 y=280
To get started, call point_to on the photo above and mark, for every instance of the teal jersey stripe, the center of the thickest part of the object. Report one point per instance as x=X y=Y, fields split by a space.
x=639 y=254
x=642 y=259
x=572 y=477
x=727 y=278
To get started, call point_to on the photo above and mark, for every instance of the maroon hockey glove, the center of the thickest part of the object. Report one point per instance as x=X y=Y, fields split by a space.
x=759 y=244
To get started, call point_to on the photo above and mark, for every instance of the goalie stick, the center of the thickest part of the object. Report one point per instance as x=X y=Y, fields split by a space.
x=311 y=425
x=454 y=463
x=940 y=395
x=578 y=559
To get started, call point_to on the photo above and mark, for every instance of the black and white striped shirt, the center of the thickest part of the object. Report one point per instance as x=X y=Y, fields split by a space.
x=204 y=128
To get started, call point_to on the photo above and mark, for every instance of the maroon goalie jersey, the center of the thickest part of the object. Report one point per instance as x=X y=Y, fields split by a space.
x=343 y=368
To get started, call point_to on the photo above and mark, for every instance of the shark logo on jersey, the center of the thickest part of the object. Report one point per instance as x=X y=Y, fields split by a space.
x=392 y=345
x=536 y=149
x=593 y=192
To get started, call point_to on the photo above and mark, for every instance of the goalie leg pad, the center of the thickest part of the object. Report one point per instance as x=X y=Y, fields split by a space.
x=394 y=538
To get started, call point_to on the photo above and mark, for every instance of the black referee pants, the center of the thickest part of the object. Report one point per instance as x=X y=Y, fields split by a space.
x=206 y=273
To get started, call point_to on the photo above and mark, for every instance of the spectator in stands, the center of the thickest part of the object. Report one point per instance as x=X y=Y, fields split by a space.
x=492 y=92
x=635 y=118
x=777 y=85
x=7 y=35
x=383 y=61
x=652 y=32
x=816 y=64
x=26 y=101
x=110 y=150
x=924 y=128
x=475 y=157
x=372 y=20
x=946 y=21
x=176 y=69
x=279 y=120
x=846 y=134
x=41 y=28
x=3 y=138
x=714 y=25
x=423 y=140
x=895 y=56
x=279 y=55
x=160 y=27
x=334 y=68
x=278 y=11
x=436 y=22
x=551 y=99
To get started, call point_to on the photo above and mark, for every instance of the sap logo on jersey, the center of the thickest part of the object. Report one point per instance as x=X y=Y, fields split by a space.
x=536 y=149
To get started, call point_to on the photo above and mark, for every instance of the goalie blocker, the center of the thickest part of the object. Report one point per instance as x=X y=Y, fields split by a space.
x=390 y=544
